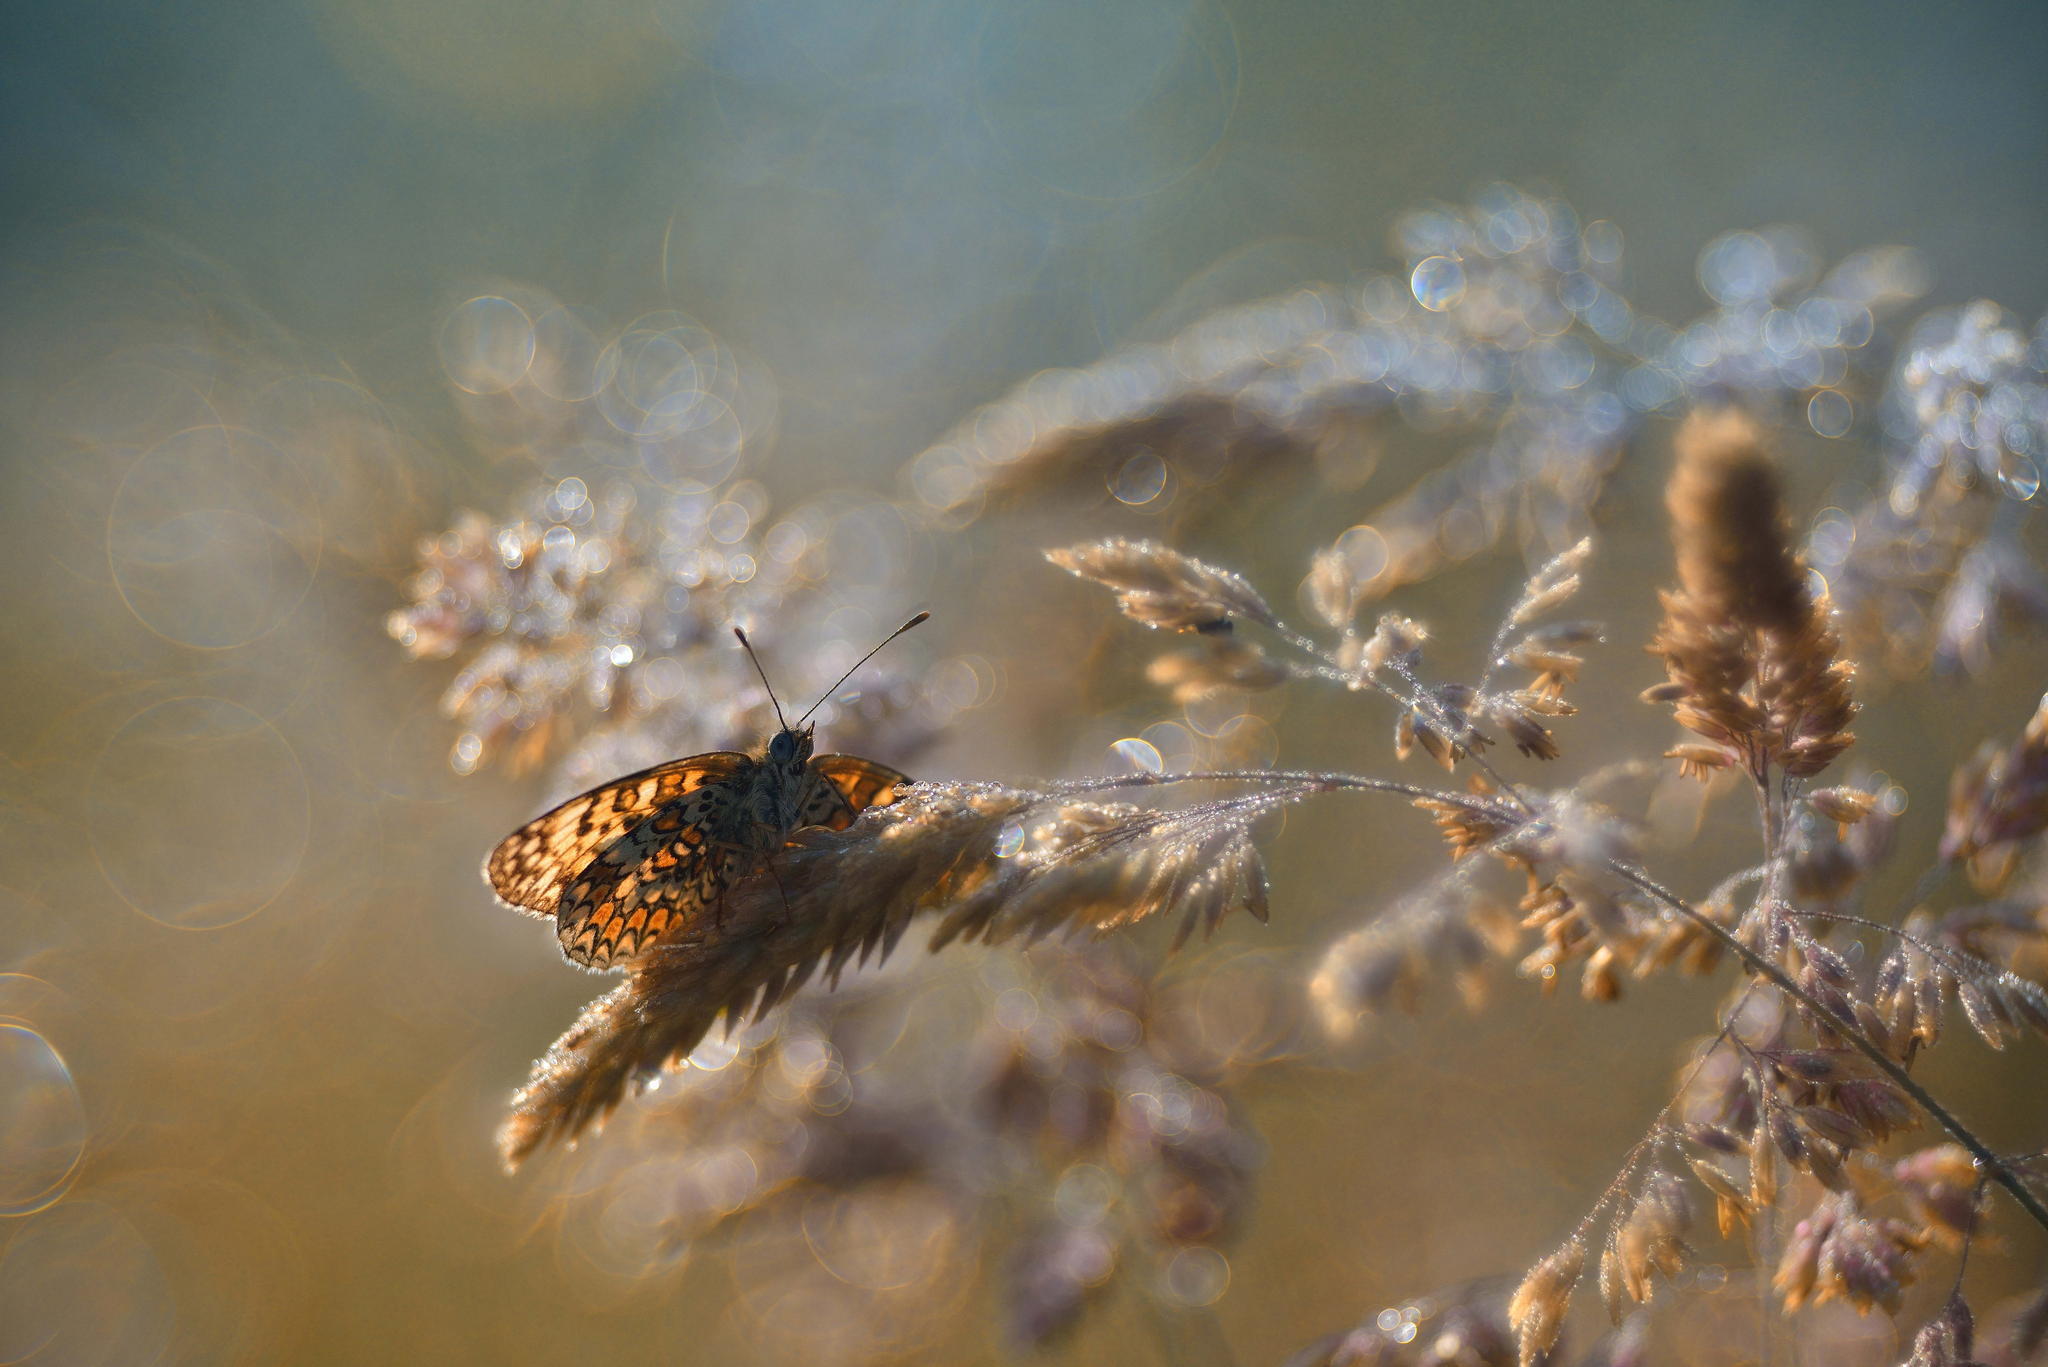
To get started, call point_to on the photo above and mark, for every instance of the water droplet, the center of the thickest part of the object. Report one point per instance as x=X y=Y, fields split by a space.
x=715 y=1053
x=1009 y=840
x=1139 y=754
x=1438 y=282
x=1140 y=480
x=2018 y=476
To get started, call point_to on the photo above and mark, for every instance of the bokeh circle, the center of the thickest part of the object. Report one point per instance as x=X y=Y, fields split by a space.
x=200 y=812
x=214 y=537
x=43 y=1128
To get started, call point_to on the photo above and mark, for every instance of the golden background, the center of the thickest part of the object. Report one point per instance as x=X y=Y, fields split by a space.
x=264 y=1015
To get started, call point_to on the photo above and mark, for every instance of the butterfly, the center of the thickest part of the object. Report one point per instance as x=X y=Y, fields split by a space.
x=624 y=864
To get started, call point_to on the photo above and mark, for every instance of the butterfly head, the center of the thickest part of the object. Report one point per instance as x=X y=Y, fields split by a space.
x=790 y=748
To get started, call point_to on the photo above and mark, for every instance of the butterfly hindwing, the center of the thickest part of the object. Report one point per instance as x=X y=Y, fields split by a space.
x=840 y=787
x=670 y=867
x=531 y=866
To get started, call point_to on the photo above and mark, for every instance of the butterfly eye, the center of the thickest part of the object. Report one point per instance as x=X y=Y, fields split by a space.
x=783 y=747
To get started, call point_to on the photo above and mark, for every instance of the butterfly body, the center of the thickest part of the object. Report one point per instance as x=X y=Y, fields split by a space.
x=653 y=854
x=628 y=862
x=775 y=786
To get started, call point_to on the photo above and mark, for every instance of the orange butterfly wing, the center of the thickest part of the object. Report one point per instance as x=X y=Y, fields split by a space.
x=531 y=866
x=682 y=861
x=840 y=787
x=621 y=865
x=670 y=867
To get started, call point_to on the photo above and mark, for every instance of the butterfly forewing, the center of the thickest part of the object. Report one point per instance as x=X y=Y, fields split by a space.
x=840 y=787
x=531 y=866
x=674 y=864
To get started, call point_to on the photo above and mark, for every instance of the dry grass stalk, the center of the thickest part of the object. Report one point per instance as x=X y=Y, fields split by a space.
x=1812 y=1075
x=1537 y=1309
x=1997 y=802
x=1807 y=1075
x=1751 y=655
x=1840 y=1253
x=1160 y=587
x=1948 y=1339
x=992 y=862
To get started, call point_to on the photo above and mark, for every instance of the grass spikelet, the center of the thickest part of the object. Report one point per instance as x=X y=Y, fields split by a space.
x=1537 y=1308
x=1161 y=587
x=1751 y=656
x=1551 y=585
x=1997 y=801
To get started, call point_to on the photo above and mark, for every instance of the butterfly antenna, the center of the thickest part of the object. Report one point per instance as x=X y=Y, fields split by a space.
x=749 y=645
x=861 y=661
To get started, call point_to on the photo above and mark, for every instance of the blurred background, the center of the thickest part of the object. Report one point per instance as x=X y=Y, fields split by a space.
x=716 y=292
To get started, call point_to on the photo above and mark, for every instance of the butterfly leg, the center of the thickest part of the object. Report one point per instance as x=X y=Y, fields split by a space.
x=780 y=889
x=730 y=850
x=852 y=814
x=761 y=861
